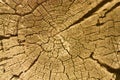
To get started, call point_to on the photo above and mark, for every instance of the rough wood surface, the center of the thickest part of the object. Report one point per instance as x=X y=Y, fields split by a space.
x=59 y=39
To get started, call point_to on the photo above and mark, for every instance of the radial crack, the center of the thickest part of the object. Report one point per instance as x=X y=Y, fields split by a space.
x=115 y=6
x=16 y=76
x=89 y=13
x=33 y=62
x=3 y=37
x=107 y=67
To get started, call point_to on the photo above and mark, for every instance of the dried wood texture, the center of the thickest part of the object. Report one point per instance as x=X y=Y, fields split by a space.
x=59 y=39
